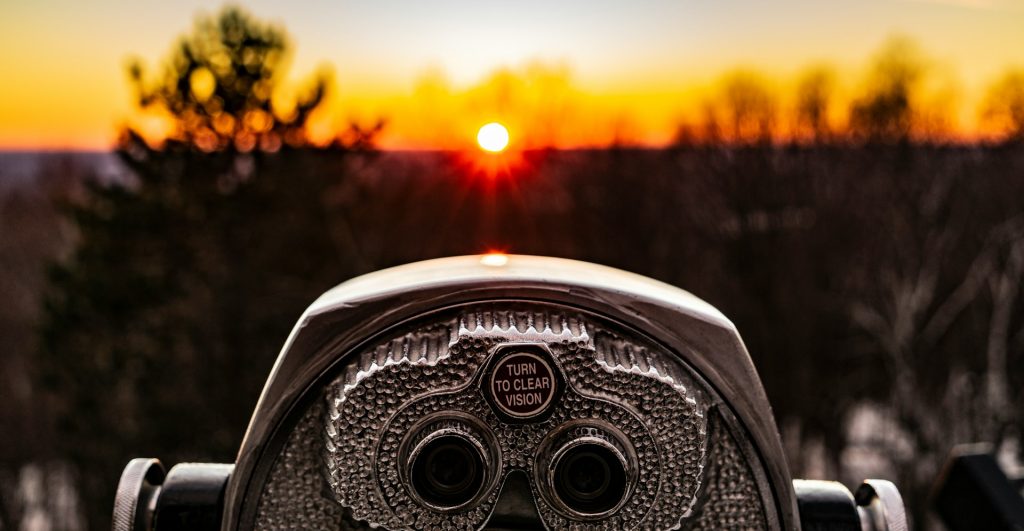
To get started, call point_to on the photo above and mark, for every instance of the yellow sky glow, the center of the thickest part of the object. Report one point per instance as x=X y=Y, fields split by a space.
x=579 y=73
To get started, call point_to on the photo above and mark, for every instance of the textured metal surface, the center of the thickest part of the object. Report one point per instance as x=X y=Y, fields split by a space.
x=354 y=318
x=295 y=495
x=731 y=498
x=881 y=506
x=344 y=455
x=136 y=492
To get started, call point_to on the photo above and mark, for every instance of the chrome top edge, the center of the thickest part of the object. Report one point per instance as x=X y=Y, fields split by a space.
x=476 y=269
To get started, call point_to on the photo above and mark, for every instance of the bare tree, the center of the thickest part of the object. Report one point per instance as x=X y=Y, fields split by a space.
x=938 y=281
x=814 y=94
x=744 y=109
x=885 y=113
x=1003 y=107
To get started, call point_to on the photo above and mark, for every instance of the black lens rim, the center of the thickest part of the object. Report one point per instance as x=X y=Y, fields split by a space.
x=613 y=486
x=436 y=492
x=559 y=443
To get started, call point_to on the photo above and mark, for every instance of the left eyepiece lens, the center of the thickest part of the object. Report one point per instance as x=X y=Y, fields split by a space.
x=448 y=471
x=448 y=462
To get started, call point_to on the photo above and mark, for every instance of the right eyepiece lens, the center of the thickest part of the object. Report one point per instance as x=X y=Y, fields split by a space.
x=590 y=478
x=448 y=471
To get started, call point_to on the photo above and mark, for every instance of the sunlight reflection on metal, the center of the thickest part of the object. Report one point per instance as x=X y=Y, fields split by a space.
x=494 y=259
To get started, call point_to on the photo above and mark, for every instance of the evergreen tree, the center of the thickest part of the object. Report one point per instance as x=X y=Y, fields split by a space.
x=162 y=325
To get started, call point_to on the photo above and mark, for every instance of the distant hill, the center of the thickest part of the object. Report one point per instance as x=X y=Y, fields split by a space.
x=21 y=168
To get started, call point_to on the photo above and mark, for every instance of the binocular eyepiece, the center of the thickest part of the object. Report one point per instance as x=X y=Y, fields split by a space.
x=526 y=393
x=447 y=463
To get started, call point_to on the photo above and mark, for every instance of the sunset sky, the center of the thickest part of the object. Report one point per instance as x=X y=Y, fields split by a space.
x=626 y=68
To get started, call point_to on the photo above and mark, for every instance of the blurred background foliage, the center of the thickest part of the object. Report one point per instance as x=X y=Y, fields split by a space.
x=872 y=261
x=157 y=325
x=220 y=87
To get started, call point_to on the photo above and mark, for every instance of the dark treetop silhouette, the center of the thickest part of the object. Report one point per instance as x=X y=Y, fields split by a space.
x=161 y=324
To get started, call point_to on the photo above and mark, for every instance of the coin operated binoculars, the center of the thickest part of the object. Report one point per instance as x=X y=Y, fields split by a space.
x=505 y=392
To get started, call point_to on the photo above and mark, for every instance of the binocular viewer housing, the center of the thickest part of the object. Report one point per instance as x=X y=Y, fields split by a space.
x=506 y=392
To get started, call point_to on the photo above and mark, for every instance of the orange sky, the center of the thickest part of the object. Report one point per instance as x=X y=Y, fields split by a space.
x=579 y=72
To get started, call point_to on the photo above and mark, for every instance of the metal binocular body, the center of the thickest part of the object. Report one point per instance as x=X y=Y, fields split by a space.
x=505 y=392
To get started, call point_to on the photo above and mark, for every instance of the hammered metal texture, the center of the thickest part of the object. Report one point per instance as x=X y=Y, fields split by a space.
x=730 y=498
x=295 y=495
x=345 y=453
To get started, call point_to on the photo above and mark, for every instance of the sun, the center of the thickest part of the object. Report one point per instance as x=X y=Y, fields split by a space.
x=492 y=137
